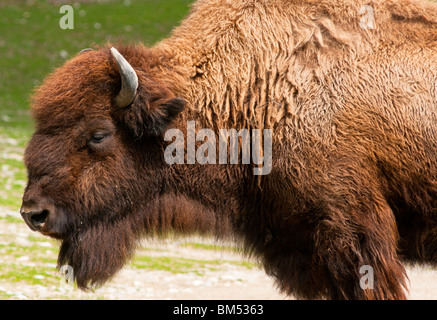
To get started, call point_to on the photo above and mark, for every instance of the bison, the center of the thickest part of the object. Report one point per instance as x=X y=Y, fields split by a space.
x=348 y=91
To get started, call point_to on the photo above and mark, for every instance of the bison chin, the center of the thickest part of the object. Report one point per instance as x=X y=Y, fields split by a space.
x=98 y=252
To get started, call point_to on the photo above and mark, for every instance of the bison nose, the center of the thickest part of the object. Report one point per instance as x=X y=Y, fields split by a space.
x=35 y=219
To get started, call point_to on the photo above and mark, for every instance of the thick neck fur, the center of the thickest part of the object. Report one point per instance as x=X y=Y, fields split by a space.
x=184 y=199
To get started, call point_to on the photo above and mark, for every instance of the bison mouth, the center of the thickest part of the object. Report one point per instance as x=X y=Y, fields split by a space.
x=95 y=244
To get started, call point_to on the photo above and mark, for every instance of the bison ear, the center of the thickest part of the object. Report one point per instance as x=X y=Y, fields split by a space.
x=151 y=118
x=173 y=107
x=164 y=115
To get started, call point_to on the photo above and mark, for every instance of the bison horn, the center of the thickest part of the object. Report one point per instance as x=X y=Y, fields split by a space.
x=129 y=80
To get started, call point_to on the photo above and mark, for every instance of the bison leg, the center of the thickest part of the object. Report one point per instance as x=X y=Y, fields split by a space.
x=361 y=239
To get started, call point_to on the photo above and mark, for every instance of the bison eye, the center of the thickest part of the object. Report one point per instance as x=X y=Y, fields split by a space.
x=98 y=137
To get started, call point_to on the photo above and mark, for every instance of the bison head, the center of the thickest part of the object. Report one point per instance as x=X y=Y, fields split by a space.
x=96 y=150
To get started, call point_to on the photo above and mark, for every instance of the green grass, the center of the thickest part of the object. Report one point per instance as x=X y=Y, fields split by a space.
x=32 y=44
x=39 y=275
x=178 y=265
x=36 y=253
x=205 y=246
x=4 y=295
x=38 y=266
x=11 y=219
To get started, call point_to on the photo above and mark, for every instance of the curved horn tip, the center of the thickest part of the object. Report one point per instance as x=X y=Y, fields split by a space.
x=114 y=52
x=85 y=50
x=129 y=80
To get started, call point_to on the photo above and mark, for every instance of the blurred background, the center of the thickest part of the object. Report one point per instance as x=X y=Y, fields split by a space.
x=32 y=44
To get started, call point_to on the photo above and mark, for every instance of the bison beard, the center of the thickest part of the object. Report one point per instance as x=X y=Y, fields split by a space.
x=98 y=252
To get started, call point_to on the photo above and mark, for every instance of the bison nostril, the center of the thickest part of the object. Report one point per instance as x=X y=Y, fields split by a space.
x=35 y=219
x=39 y=218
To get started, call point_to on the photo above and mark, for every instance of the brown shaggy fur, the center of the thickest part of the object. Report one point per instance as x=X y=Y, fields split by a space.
x=354 y=117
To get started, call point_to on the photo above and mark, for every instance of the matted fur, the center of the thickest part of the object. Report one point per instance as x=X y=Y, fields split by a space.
x=354 y=117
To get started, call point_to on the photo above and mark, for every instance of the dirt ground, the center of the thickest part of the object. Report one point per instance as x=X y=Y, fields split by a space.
x=227 y=280
x=230 y=282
